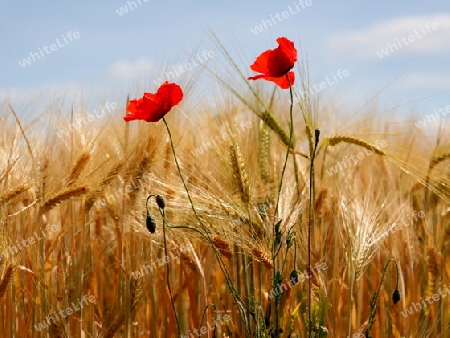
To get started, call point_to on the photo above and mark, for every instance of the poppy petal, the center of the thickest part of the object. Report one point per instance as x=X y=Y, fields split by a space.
x=136 y=109
x=152 y=107
x=261 y=64
x=281 y=81
x=275 y=64
x=288 y=49
x=170 y=93
x=256 y=77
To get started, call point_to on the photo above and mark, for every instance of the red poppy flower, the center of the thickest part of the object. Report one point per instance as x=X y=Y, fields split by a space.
x=275 y=64
x=153 y=107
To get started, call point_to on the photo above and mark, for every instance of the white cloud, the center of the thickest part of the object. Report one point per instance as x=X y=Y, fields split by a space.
x=367 y=42
x=128 y=70
x=434 y=80
x=42 y=92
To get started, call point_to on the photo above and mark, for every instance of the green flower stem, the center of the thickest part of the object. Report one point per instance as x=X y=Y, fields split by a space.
x=163 y=215
x=178 y=226
x=222 y=265
x=311 y=222
x=275 y=250
x=373 y=302
x=291 y=135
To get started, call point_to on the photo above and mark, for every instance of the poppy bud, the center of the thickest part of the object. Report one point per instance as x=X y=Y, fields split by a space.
x=290 y=239
x=160 y=201
x=151 y=224
x=396 y=296
x=294 y=277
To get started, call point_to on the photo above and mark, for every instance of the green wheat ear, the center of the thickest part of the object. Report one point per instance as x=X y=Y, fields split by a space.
x=239 y=172
x=264 y=153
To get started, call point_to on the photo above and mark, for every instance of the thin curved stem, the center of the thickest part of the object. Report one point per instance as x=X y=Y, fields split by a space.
x=204 y=312
x=163 y=215
x=176 y=226
x=311 y=224
x=373 y=302
x=222 y=266
x=275 y=250
x=291 y=132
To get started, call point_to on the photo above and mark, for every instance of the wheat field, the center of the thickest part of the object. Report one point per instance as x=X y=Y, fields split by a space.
x=258 y=245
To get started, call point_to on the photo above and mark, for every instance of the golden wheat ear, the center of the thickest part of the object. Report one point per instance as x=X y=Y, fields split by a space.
x=262 y=257
x=6 y=279
x=62 y=196
x=332 y=141
x=224 y=247
x=438 y=159
x=93 y=195
x=12 y=194
x=78 y=167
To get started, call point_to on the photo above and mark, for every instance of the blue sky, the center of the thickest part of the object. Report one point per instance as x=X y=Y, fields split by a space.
x=113 y=51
